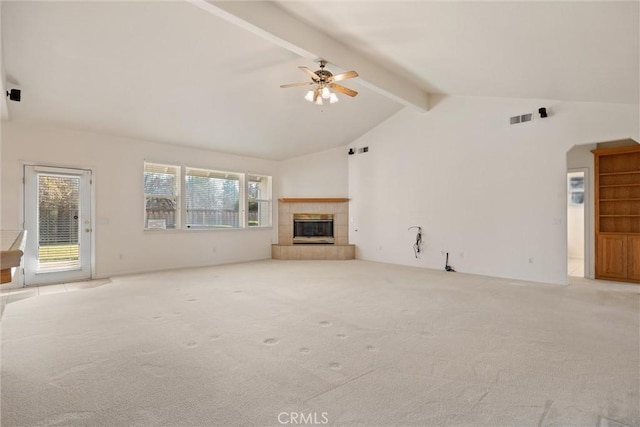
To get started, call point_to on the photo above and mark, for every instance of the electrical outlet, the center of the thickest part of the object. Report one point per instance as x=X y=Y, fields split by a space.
x=215 y=249
x=442 y=253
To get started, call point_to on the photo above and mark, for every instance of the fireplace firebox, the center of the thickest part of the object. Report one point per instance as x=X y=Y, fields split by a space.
x=313 y=228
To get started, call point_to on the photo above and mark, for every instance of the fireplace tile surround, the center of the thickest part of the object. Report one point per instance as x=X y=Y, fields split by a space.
x=286 y=249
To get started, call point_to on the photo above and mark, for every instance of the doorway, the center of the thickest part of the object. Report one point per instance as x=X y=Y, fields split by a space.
x=576 y=222
x=57 y=206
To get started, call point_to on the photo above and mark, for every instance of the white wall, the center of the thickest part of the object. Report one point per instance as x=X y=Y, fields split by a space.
x=4 y=112
x=322 y=174
x=121 y=245
x=580 y=156
x=491 y=194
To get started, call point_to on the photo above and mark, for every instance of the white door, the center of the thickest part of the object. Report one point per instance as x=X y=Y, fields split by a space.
x=57 y=210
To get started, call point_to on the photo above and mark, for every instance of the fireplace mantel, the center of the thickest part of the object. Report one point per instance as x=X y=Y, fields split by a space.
x=313 y=200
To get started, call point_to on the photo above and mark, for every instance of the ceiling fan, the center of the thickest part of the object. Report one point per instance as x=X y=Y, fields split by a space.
x=324 y=81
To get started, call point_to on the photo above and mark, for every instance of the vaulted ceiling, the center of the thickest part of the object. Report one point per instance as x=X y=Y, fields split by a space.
x=207 y=73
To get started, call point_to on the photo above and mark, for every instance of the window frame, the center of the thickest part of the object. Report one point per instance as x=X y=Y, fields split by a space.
x=178 y=196
x=268 y=200
x=181 y=199
x=241 y=197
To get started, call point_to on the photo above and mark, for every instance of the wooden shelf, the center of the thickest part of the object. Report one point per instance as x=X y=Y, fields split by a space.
x=619 y=233
x=313 y=200
x=619 y=216
x=620 y=200
x=619 y=173
x=619 y=185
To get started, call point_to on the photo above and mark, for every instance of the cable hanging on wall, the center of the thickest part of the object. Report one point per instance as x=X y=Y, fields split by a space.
x=417 y=246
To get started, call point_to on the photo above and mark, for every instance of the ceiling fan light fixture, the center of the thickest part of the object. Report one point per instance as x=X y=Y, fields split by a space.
x=309 y=96
x=322 y=81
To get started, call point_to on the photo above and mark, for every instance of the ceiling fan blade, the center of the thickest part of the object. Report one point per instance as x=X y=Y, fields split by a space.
x=343 y=89
x=345 y=76
x=310 y=73
x=297 y=84
x=316 y=94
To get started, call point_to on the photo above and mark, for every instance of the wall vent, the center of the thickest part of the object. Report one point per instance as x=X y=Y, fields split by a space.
x=521 y=119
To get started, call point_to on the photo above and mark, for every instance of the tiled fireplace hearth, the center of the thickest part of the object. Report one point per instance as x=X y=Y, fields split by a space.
x=314 y=220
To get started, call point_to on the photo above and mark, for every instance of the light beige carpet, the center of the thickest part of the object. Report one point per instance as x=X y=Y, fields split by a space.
x=324 y=343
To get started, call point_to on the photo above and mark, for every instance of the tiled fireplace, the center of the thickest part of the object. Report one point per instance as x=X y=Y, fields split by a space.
x=311 y=229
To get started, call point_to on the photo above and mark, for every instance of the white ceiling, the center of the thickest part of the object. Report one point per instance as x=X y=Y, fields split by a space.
x=565 y=50
x=177 y=73
x=171 y=72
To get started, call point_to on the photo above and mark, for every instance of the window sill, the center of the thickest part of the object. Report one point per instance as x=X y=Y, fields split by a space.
x=194 y=230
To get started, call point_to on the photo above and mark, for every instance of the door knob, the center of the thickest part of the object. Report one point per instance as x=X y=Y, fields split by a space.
x=87 y=230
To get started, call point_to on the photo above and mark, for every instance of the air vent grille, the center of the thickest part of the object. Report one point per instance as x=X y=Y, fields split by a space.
x=520 y=119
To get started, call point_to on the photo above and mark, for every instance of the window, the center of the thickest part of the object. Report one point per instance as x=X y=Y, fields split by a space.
x=194 y=198
x=259 y=201
x=576 y=189
x=212 y=199
x=162 y=197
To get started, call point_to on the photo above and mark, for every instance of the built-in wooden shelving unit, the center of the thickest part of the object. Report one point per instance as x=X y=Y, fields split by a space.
x=617 y=209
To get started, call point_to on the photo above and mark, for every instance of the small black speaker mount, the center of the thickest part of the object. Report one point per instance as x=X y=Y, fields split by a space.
x=543 y=112
x=14 y=94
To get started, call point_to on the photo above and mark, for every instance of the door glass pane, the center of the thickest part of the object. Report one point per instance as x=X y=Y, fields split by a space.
x=58 y=222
